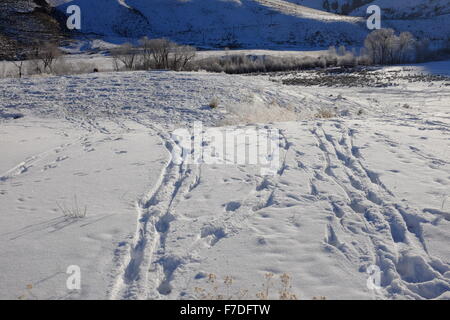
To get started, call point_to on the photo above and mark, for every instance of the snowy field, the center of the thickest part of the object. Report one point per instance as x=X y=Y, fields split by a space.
x=366 y=188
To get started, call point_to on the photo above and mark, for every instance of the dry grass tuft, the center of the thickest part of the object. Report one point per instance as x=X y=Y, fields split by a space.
x=215 y=290
x=325 y=114
x=222 y=290
x=74 y=212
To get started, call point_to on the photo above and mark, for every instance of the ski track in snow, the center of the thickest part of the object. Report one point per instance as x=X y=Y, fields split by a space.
x=147 y=271
x=369 y=222
x=368 y=210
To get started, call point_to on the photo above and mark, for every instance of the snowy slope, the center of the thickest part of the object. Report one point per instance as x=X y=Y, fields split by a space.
x=256 y=23
x=250 y=23
x=408 y=9
x=404 y=9
x=110 y=17
x=360 y=189
x=335 y=6
x=424 y=18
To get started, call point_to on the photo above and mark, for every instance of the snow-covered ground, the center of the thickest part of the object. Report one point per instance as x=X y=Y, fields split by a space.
x=367 y=187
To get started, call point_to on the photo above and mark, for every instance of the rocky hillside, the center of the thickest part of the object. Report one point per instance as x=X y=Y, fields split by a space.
x=25 y=21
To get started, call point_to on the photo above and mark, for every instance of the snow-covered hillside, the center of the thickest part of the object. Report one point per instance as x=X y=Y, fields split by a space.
x=335 y=6
x=408 y=9
x=219 y=23
x=399 y=9
x=256 y=23
x=368 y=187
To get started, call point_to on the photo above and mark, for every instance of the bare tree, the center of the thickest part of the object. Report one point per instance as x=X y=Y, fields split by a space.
x=19 y=64
x=36 y=66
x=385 y=47
x=18 y=61
x=146 y=52
x=181 y=55
x=126 y=54
x=379 y=45
x=153 y=53
x=48 y=53
x=164 y=54
x=160 y=49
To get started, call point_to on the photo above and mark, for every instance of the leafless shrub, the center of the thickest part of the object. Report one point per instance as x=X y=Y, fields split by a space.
x=159 y=54
x=181 y=56
x=216 y=289
x=18 y=61
x=235 y=64
x=146 y=52
x=19 y=65
x=285 y=292
x=159 y=50
x=267 y=285
x=223 y=290
x=41 y=57
x=126 y=54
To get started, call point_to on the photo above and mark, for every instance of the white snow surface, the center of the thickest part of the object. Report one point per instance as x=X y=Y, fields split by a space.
x=367 y=187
